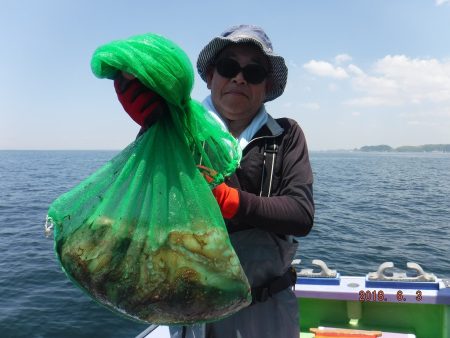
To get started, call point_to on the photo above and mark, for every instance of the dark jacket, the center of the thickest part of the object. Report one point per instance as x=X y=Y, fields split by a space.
x=260 y=232
x=290 y=208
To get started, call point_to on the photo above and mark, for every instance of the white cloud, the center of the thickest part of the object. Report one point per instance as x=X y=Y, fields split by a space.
x=301 y=106
x=417 y=80
x=371 y=101
x=332 y=87
x=355 y=70
x=326 y=69
x=399 y=80
x=342 y=58
x=391 y=81
x=379 y=86
x=310 y=105
x=394 y=93
x=441 y=2
x=439 y=112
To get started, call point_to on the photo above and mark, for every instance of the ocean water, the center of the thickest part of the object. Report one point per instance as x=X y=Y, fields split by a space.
x=370 y=208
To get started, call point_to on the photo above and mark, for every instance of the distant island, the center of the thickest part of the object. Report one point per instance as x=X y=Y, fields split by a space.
x=441 y=148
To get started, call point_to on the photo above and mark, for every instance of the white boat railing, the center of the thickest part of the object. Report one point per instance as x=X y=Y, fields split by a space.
x=147 y=331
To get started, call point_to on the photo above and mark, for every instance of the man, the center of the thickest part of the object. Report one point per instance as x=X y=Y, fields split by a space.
x=269 y=199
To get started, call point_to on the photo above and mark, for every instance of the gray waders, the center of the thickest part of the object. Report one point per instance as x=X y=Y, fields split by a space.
x=264 y=256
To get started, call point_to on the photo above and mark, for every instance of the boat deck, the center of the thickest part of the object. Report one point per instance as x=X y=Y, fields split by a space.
x=398 y=309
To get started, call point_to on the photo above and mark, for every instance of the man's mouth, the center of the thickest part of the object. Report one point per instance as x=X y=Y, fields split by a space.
x=236 y=92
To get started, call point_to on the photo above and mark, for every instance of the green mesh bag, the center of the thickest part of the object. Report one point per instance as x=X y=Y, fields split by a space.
x=144 y=235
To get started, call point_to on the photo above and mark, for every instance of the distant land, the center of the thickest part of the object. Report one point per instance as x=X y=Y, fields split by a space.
x=441 y=148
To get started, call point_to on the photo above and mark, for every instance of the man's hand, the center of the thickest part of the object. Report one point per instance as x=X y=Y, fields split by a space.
x=226 y=196
x=228 y=200
x=142 y=104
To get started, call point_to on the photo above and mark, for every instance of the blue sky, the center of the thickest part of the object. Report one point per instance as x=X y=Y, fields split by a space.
x=360 y=72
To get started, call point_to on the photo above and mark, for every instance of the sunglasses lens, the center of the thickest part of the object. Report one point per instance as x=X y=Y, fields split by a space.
x=254 y=73
x=229 y=68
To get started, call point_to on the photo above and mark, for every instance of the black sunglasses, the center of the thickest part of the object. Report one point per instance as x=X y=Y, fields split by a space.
x=253 y=73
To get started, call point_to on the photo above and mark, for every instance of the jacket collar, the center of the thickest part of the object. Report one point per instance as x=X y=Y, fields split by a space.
x=263 y=125
x=270 y=129
x=257 y=123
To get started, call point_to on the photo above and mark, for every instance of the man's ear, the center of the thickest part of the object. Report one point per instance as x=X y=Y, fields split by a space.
x=209 y=76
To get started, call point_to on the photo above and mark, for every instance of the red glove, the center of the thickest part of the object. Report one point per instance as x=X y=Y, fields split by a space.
x=142 y=104
x=226 y=196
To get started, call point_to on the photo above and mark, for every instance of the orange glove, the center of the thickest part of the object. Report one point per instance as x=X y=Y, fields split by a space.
x=228 y=200
x=226 y=196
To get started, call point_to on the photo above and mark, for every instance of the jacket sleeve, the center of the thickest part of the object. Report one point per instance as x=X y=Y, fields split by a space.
x=291 y=210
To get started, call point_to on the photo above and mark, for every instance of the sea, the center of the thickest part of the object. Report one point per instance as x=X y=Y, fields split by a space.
x=370 y=208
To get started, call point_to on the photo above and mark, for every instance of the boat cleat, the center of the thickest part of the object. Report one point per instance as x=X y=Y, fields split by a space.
x=380 y=275
x=422 y=280
x=324 y=272
x=325 y=276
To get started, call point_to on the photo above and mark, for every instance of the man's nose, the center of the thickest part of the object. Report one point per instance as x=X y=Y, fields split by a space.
x=239 y=78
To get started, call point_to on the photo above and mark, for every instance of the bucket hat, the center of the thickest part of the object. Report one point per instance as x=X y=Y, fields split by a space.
x=246 y=34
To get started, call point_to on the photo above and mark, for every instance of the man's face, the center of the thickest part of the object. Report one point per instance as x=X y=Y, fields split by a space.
x=235 y=98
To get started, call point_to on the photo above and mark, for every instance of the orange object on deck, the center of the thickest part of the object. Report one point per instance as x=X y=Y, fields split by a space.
x=344 y=333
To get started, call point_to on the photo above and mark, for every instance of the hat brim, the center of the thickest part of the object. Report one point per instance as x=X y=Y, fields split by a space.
x=278 y=72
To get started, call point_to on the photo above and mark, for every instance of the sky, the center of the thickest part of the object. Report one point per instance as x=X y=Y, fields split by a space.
x=360 y=72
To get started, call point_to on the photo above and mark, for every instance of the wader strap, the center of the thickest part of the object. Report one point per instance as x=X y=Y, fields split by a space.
x=270 y=153
x=262 y=293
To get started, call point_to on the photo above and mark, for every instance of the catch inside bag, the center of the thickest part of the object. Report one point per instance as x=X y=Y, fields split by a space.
x=144 y=235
